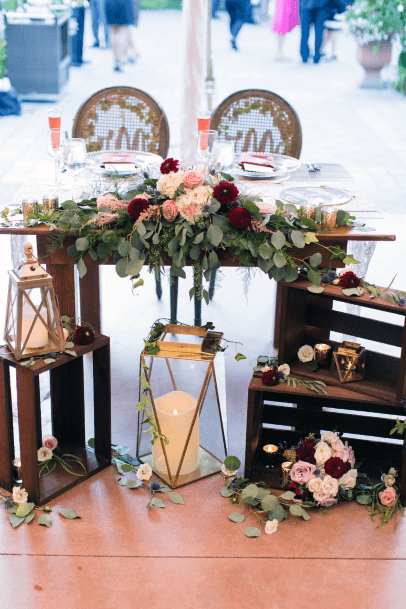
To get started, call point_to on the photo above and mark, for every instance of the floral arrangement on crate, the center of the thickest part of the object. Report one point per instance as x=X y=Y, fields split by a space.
x=143 y=472
x=272 y=373
x=190 y=215
x=376 y=20
x=49 y=459
x=323 y=472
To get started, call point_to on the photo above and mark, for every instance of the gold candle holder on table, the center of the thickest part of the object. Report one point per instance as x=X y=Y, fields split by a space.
x=271 y=451
x=17 y=470
x=348 y=362
x=322 y=355
x=286 y=467
x=49 y=203
x=308 y=210
x=329 y=217
x=29 y=205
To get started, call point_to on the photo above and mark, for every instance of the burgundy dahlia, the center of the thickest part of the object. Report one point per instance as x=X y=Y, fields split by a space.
x=84 y=335
x=335 y=467
x=270 y=378
x=239 y=218
x=225 y=193
x=136 y=207
x=349 y=280
x=169 y=165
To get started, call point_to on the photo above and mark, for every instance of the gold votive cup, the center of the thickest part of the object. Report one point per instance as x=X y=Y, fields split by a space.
x=29 y=205
x=308 y=210
x=329 y=217
x=49 y=203
x=286 y=467
x=322 y=355
x=17 y=469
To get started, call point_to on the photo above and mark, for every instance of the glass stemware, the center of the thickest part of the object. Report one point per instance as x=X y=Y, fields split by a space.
x=225 y=156
x=206 y=148
x=75 y=156
x=54 y=149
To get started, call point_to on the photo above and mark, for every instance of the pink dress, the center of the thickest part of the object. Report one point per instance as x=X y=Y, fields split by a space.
x=286 y=16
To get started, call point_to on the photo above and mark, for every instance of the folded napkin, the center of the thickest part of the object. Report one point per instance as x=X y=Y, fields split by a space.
x=119 y=161
x=260 y=163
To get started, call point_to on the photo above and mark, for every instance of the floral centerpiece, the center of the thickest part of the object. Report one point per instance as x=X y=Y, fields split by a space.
x=189 y=215
x=376 y=20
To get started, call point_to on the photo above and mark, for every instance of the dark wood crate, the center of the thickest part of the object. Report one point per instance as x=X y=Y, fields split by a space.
x=68 y=418
x=301 y=411
x=308 y=318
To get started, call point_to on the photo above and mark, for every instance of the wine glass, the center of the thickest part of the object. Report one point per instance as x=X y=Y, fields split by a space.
x=75 y=156
x=54 y=149
x=206 y=148
x=225 y=156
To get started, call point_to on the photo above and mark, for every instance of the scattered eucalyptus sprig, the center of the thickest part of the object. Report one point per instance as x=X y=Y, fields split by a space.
x=24 y=511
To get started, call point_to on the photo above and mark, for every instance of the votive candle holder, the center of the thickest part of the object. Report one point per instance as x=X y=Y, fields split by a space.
x=322 y=355
x=329 y=217
x=29 y=205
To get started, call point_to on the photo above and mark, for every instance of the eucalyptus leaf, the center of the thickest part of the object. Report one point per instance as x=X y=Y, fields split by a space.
x=198 y=239
x=316 y=259
x=270 y=502
x=194 y=253
x=126 y=467
x=82 y=270
x=81 y=244
x=298 y=238
x=226 y=492
x=291 y=274
x=121 y=267
x=251 y=207
x=295 y=509
x=278 y=240
x=14 y=520
x=124 y=248
x=305 y=515
x=214 y=235
x=158 y=502
x=175 y=498
x=24 y=509
x=252 y=532
x=237 y=517
x=141 y=230
x=253 y=250
x=364 y=499
x=131 y=483
x=263 y=492
x=45 y=519
x=232 y=463
x=250 y=491
x=69 y=513
x=264 y=265
x=278 y=513
x=177 y=258
x=352 y=292
x=278 y=273
x=314 y=277
x=265 y=250
x=173 y=246
x=29 y=517
x=133 y=267
x=279 y=259
x=240 y=356
x=288 y=495
x=315 y=290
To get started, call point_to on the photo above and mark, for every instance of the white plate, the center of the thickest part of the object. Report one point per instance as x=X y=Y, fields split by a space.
x=144 y=160
x=284 y=164
x=302 y=195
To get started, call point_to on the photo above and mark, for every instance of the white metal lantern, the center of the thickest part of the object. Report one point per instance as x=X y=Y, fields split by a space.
x=33 y=325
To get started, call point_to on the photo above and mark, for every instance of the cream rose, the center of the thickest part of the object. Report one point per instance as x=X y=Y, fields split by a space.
x=348 y=480
x=44 y=454
x=322 y=452
x=266 y=368
x=329 y=486
x=329 y=437
x=388 y=480
x=193 y=178
x=20 y=495
x=315 y=485
x=306 y=353
x=285 y=369
x=49 y=442
x=144 y=472
x=271 y=526
x=393 y=472
x=319 y=496
x=302 y=472
x=227 y=472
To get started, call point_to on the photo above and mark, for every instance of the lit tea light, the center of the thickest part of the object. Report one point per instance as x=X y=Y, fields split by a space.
x=17 y=469
x=322 y=355
x=329 y=217
x=271 y=451
x=286 y=467
x=271 y=448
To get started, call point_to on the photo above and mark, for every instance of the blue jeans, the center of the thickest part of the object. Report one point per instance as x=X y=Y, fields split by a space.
x=99 y=16
x=317 y=16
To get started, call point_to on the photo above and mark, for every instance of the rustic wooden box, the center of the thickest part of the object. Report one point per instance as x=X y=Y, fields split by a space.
x=286 y=414
x=308 y=318
x=68 y=418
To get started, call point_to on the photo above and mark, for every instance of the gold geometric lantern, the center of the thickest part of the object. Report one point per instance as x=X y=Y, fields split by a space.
x=33 y=326
x=179 y=379
x=348 y=362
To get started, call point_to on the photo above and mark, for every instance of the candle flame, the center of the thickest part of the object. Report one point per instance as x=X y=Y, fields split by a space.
x=175 y=411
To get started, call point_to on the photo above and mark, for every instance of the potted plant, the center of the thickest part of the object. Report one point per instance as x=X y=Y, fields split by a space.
x=374 y=22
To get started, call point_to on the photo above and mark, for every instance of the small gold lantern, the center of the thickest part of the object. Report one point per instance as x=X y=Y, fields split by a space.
x=33 y=326
x=178 y=409
x=348 y=362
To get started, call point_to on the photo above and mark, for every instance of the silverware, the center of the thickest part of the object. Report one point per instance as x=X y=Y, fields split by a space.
x=312 y=167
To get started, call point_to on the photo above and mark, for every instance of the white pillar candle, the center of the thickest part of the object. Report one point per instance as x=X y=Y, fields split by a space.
x=39 y=334
x=175 y=412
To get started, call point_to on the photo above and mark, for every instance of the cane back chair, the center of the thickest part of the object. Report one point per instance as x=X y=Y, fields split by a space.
x=257 y=121
x=123 y=118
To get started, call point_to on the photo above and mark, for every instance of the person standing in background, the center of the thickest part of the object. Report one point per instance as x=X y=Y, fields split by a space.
x=98 y=13
x=285 y=18
x=120 y=16
x=133 y=55
x=239 y=14
x=316 y=12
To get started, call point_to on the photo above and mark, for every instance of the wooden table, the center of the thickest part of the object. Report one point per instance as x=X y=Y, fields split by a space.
x=59 y=264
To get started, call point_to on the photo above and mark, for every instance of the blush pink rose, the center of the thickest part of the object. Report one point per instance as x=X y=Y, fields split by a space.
x=49 y=442
x=302 y=472
x=388 y=496
x=351 y=455
x=144 y=195
x=169 y=210
x=337 y=445
x=191 y=179
x=343 y=454
x=327 y=501
x=105 y=200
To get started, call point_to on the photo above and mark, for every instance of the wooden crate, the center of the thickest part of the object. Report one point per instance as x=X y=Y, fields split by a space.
x=286 y=414
x=68 y=418
x=308 y=318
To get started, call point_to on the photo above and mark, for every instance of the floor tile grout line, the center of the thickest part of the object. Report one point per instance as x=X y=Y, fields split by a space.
x=200 y=557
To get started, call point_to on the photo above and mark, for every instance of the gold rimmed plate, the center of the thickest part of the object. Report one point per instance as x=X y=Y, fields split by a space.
x=325 y=196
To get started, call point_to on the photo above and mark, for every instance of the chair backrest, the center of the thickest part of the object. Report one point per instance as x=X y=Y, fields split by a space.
x=258 y=121
x=122 y=118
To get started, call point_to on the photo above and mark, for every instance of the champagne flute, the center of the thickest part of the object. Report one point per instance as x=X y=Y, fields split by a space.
x=54 y=118
x=54 y=149
x=206 y=148
x=203 y=120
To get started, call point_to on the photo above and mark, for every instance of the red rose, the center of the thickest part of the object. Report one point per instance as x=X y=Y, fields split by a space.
x=84 y=335
x=298 y=492
x=225 y=193
x=309 y=442
x=136 y=207
x=239 y=217
x=305 y=454
x=169 y=165
x=335 y=467
x=349 y=280
x=293 y=486
x=270 y=378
